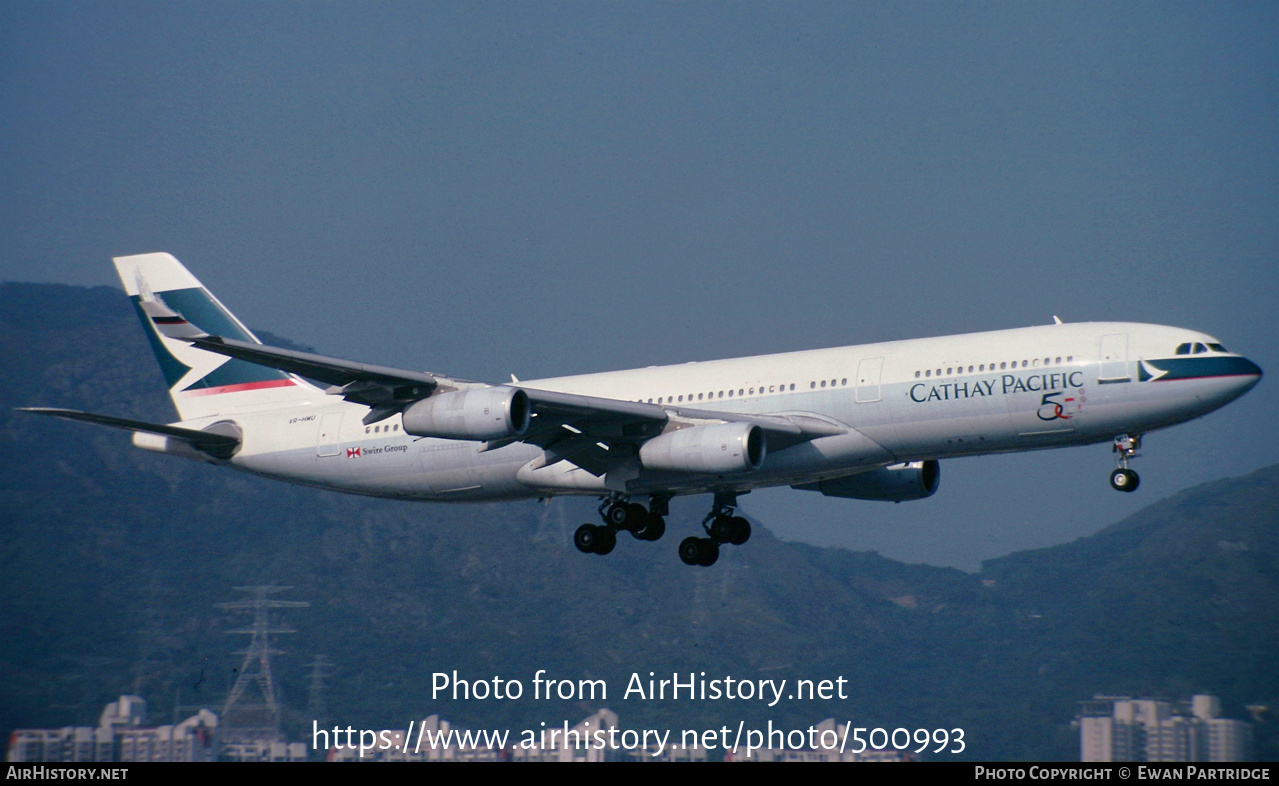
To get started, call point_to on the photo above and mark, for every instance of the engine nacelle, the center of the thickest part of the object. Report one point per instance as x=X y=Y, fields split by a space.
x=476 y=414
x=718 y=449
x=898 y=483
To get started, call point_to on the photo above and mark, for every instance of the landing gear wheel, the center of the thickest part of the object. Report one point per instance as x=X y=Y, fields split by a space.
x=698 y=551
x=607 y=540
x=618 y=515
x=1124 y=480
x=722 y=529
x=636 y=517
x=653 y=529
x=730 y=529
x=690 y=550
x=587 y=538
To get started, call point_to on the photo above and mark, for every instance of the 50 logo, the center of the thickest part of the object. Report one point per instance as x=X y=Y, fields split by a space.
x=1050 y=409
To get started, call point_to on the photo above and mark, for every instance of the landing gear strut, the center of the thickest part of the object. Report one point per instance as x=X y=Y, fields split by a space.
x=1126 y=447
x=623 y=516
x=722 y=527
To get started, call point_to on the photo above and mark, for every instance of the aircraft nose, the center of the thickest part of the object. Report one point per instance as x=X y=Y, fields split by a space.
x=1231 y=378
x=1250 y=372
x=1242 y=375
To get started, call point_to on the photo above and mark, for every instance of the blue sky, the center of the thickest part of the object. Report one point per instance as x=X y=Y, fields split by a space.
x=482 y=189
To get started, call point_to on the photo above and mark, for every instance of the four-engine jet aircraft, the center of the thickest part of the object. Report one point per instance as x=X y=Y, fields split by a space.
x=864 y=422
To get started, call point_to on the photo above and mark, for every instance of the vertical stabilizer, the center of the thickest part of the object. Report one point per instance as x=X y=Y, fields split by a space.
x=202 y=383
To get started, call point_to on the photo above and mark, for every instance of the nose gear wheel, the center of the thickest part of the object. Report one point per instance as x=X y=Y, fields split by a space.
x=1125 y=448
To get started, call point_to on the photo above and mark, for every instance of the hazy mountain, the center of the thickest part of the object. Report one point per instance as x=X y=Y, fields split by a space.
x=101 y=542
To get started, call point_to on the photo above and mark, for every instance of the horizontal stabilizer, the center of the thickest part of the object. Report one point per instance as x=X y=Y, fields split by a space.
x=221 y=446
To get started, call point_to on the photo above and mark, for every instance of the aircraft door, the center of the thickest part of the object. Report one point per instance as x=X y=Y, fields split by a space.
x=1114 y=358
x=329 y=442
x=868 y=375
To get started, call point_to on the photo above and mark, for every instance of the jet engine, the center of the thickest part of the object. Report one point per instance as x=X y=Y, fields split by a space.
x=476 y=414
x=717 y=449
x=898 y=483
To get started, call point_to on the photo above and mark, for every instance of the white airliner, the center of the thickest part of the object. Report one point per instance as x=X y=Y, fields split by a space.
x=865 y=422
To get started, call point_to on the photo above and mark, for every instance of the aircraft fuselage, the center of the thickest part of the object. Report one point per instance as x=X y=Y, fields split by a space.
x=901 y=401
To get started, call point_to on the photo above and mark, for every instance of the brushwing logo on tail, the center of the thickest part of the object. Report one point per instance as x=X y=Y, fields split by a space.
x=190 y=370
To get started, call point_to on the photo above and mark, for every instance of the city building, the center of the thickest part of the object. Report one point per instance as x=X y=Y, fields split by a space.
x=120 y=736
x=1121 y=728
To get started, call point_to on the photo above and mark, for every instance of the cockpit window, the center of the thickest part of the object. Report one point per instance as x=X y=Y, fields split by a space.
x=1217 y=348
x=1200 y=349
x=1183 y=349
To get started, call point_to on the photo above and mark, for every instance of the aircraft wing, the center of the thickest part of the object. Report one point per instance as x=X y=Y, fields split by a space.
x=312 y=366
x=375 y=386
x=597 y=434
x=608 y=418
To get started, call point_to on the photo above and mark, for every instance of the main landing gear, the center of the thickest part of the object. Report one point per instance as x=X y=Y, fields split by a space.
x=618 y=515
x=649 y=523
x=722 y=527
x=1126 y=447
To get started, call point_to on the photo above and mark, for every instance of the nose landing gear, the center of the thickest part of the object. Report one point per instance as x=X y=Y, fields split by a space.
x=1125 y=448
